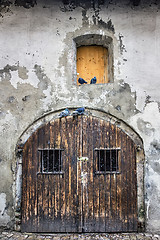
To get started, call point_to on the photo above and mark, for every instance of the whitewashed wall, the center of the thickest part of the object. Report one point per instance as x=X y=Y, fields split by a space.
x=37 y=67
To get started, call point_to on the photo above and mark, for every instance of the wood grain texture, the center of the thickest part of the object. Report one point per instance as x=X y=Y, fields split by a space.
x=92 y=61
x=78 y=199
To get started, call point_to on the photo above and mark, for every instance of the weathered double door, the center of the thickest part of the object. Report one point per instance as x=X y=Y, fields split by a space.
x=79 y=175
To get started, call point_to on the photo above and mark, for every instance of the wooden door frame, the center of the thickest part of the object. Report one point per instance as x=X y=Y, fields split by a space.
x=101 y=115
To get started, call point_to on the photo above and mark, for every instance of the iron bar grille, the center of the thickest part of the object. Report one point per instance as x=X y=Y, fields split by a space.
x=107 y=161
x=51 y=160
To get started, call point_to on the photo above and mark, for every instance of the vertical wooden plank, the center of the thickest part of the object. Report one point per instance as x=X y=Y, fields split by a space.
x=74 y=175
x=116 y=175
x=123 y=195
x=24 y=187
x=70 y=197
x=124 y=182
x=43 y=225
x=45 y=203
x=40 y=181
x=39 y=169
x=47 y=183
x=62 y=177
x=66 y=174
x=102 y=178
x=70 y=186
x=88 y=189
x=85 y=174
x=91 y=173
x=113 y=181
x=39 y=201
x=29 y=186
x=57 y=140
x=130 y=210
x=49 y=203
x=119 y=184
x=50 y=178
x=29 y=217
x=107 y=180
x=129 y=186
x=99 y=178
x=52 y=182
x=134 y=190
x=79 y=174
x=79 y=196
x=59 y=177
x=56 y=203
x=110 y=182
x=96 y=177
x=67 y=214
x=34 y=170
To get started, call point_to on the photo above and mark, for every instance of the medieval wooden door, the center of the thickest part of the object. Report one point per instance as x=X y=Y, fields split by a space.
x=79 y=175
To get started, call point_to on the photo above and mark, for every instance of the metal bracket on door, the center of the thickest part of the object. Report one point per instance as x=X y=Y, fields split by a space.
x=82 y=159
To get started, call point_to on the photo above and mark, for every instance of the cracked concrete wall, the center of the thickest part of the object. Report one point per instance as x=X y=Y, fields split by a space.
x=38 y=70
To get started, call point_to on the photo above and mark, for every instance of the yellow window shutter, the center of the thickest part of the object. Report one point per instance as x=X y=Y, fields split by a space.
x=92 y=61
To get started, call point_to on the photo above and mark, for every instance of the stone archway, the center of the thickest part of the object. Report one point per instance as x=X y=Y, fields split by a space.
x=83 y=223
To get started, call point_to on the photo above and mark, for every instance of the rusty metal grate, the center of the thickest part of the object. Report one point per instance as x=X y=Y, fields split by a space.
x=51 y=160
x=107 y=161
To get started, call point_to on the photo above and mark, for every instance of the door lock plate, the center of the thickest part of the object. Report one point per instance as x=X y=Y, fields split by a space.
x=82 y=159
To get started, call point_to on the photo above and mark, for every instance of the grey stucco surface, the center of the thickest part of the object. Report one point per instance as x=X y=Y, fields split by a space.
x=38 y=73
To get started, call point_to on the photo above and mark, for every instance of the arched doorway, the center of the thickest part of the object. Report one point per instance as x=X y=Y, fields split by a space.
x=79 y=175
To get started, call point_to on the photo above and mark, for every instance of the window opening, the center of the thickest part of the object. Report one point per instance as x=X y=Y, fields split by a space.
x=92 y=61
x=107 y=160
x=51 y=160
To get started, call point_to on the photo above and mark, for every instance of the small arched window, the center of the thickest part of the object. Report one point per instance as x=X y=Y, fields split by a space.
x=92 y=61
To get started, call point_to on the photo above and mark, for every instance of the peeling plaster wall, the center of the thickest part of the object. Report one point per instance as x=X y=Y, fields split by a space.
x=4 y=218
x=37 y=76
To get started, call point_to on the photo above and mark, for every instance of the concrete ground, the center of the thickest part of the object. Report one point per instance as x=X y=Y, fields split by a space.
x=11 y=235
